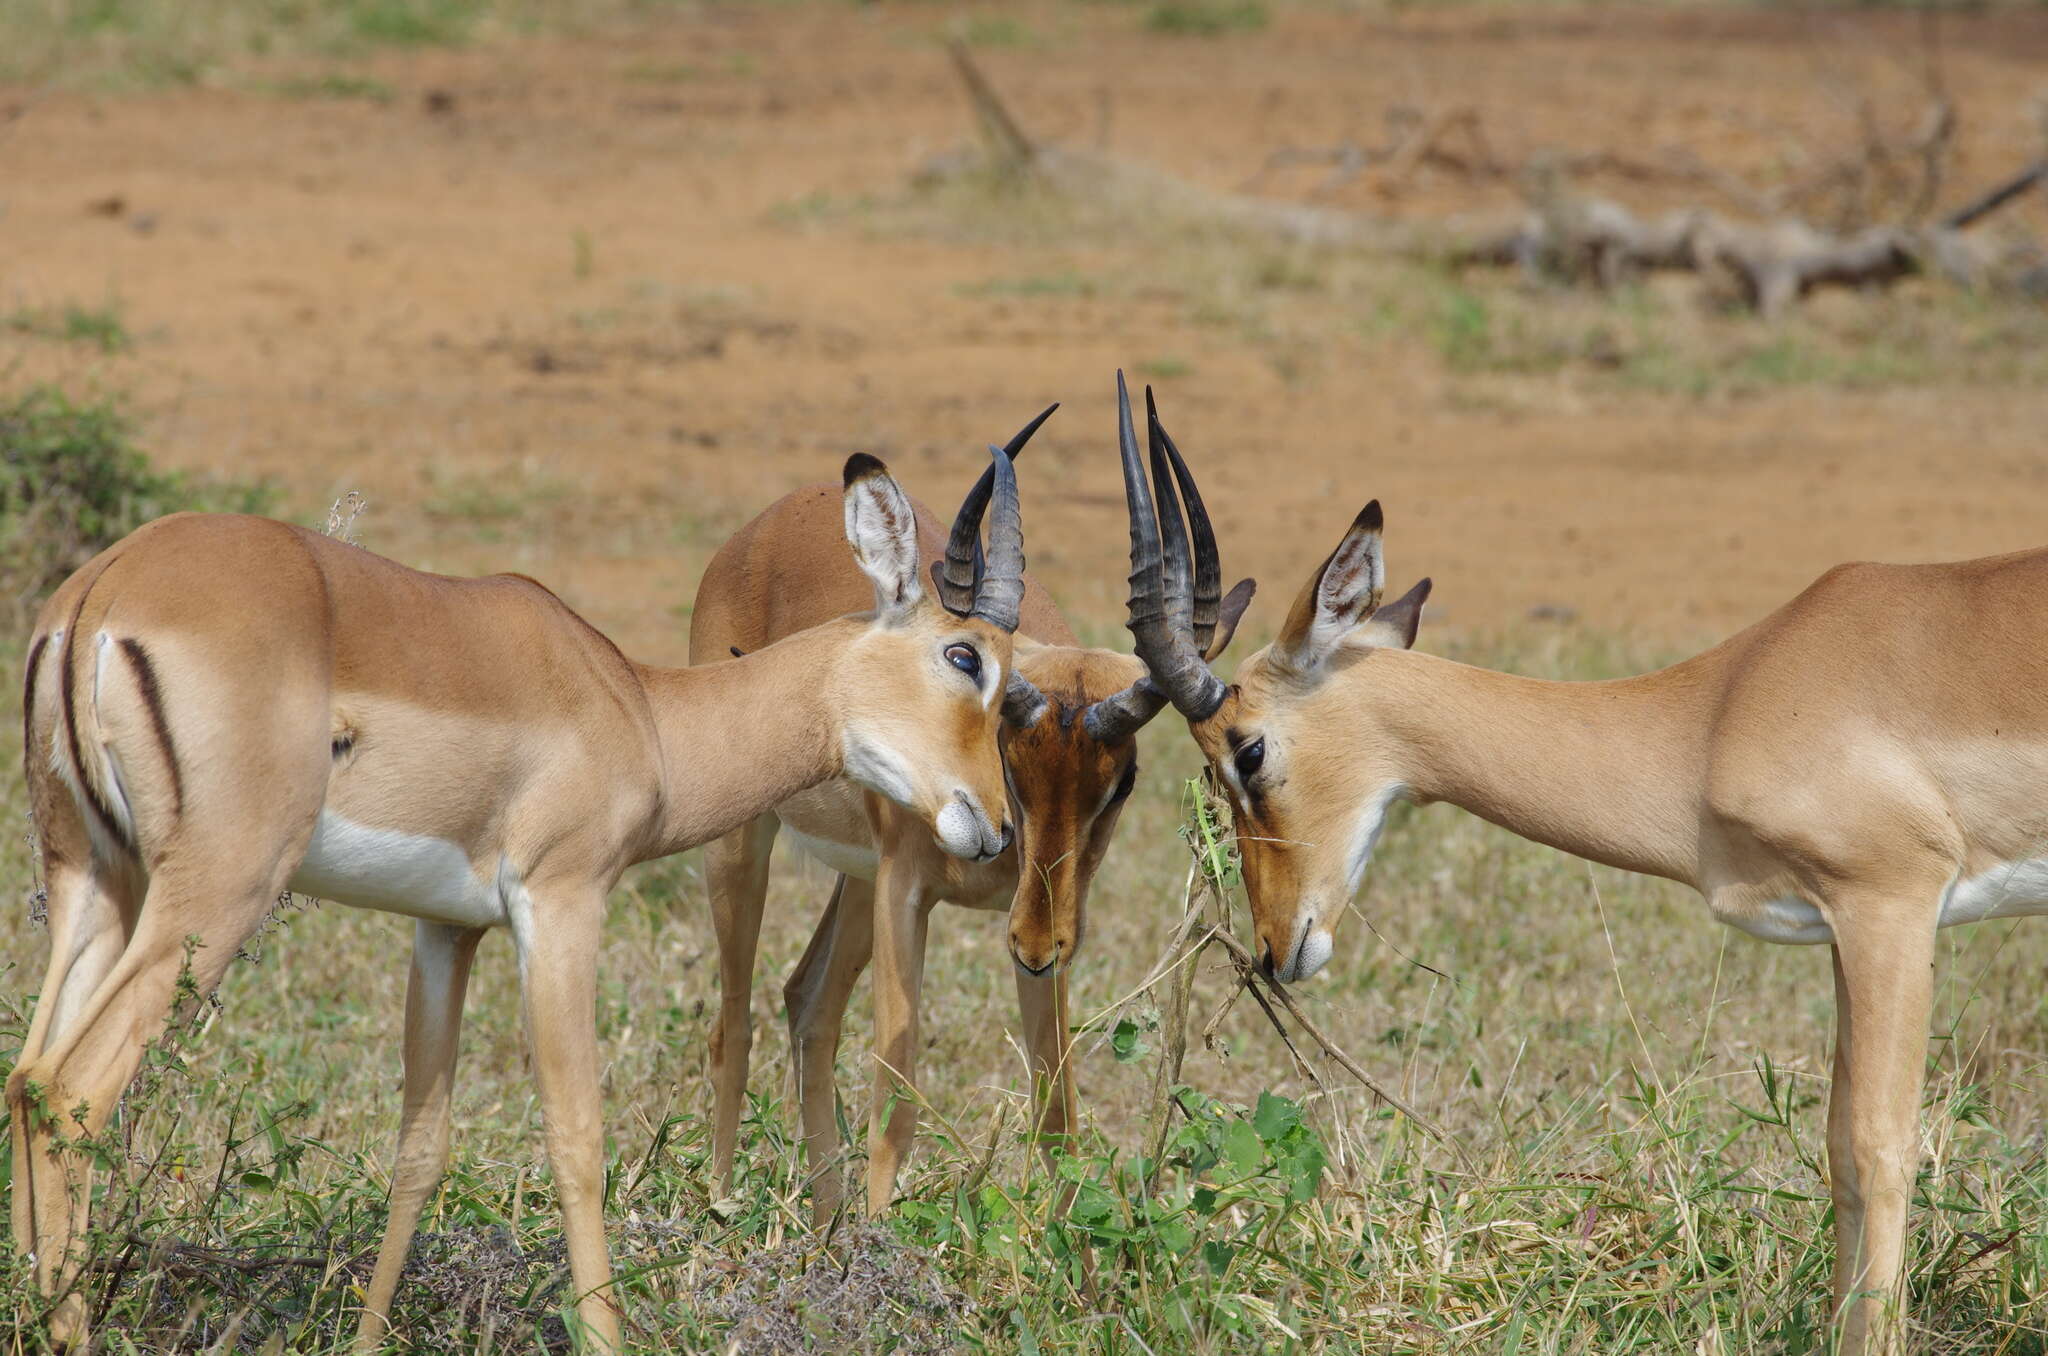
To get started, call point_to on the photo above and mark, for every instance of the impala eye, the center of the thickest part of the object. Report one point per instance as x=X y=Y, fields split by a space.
x=964 y=658
x=1250 y=758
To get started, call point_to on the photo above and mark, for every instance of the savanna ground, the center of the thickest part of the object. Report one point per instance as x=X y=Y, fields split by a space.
x=576 y=291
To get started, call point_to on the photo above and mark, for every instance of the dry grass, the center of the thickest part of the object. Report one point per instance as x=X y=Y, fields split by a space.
x=1636 y=1093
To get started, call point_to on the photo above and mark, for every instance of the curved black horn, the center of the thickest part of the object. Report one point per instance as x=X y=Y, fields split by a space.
x=1176 y=670
x=1208 y=591
x=958 y=576
x=1177 y=570
x=1000 y=596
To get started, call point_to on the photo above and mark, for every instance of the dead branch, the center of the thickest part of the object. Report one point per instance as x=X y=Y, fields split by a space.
x=1995 y=197
x=1254 y=980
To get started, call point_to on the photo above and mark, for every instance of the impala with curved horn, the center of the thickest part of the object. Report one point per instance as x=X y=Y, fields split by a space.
x=1071 y=759
x=219 y=708
x=1861 y=768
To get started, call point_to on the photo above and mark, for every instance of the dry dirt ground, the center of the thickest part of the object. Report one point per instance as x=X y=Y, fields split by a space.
x=576 y=306
x=579 y=305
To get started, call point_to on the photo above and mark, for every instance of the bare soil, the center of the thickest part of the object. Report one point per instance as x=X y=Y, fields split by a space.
x=561 y=306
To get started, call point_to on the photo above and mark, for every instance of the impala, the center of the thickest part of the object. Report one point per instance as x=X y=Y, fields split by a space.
x=1072 y=759
x=1860 y=768
x=221 y=708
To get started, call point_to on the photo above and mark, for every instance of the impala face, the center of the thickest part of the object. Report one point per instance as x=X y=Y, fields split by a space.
x=1295 y=751
x=1069 y=788
x=931 y=743
x=923 y=689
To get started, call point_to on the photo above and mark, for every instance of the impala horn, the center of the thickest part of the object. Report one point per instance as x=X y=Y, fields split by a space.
x=1177 y=613
x=960 y=576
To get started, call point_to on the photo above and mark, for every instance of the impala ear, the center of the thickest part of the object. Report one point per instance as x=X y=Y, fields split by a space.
x=882 y=529
x=1338 y=596
x=1393 y=627
x=1229 y=613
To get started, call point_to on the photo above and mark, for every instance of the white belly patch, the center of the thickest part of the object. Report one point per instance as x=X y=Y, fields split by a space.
x=396 y=872
x=2008 y=890
x=1788 y=922
x=858 y=862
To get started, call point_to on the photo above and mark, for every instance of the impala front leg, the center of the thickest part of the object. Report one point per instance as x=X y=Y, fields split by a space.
x=902 y=917
x=815 y=998
x=1883 y=996
x=441 y=957
x=1042 y=1000
x=736 y=875
x=557 y=937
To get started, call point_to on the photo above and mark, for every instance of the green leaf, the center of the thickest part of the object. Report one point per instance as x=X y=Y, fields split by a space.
x=1124 y=1042
x=1275 y=1117
x=1243 y=1148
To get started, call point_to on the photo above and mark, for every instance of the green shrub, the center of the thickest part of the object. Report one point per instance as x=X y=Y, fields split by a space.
x=1206 y=18
x=72 y=482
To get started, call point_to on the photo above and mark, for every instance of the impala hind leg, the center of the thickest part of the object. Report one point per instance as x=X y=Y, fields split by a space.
x=736 y=874
x=1883 y=997
x=557 y=934
x=816 y=997
x=89 y=919
x=68 y=1090
x=441 y=957
x=902 y=919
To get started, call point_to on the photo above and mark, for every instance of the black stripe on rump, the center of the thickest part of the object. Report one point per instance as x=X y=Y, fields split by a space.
x=28 y=698
x=152 y=697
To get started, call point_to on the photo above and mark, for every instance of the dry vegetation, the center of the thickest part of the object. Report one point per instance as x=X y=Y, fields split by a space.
x=1632 y=1094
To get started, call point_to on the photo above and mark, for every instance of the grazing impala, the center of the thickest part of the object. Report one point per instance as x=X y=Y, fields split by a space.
x=1072 y=761
x=221 y=708
x=1860 y=768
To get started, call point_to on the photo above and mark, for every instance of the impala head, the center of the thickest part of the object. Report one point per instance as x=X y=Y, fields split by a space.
x=925 y=689
x=1074 y=759
x=1289 y=742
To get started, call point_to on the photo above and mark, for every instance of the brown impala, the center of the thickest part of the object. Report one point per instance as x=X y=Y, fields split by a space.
x=1071 y=758
x=1861 y=768
x=221 y=708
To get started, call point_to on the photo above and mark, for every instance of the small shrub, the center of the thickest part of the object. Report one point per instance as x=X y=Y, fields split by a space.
x=1206 y=18
x=99 y=326
x=72 y=482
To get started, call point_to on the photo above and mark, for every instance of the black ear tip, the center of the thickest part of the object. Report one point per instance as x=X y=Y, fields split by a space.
x=1370 y=518
x=861 y=465
x=1422 y=589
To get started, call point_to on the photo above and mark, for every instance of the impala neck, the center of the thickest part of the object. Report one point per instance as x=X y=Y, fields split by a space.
x=1610 y=771
x=739 y=738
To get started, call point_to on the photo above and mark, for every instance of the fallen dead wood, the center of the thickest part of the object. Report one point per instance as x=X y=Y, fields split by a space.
x=1766 y=264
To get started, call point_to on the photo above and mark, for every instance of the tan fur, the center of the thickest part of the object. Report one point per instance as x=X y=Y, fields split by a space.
x=788 y=569
x=1862 y=749
x=225 y=687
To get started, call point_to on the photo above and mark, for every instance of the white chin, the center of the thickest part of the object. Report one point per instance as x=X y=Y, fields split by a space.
x=1312 y=956
x=958 y=829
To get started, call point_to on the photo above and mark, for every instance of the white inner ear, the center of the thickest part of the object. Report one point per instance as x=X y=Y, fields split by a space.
x=882 y=529
x=1351 y=588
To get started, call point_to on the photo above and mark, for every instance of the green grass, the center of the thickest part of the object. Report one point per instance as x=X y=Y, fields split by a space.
x=138 y=43
x=1065 y=283
x=1637 y=1094
x=334 y=85
x=1206 y=18
x=99 y=327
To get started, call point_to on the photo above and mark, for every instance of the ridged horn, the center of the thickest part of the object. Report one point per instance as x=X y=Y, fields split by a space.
x=959 y=575
x=1161 y=602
